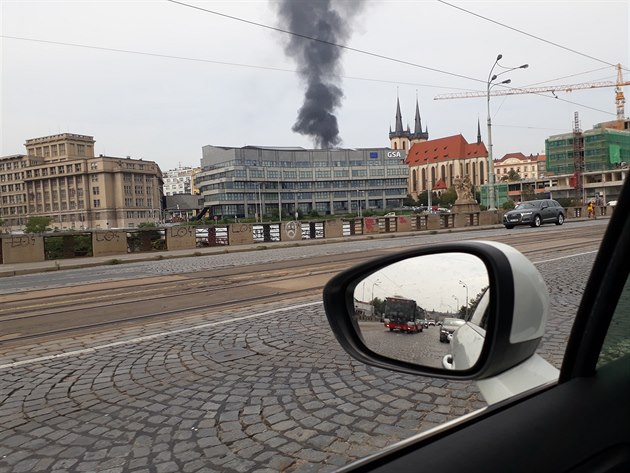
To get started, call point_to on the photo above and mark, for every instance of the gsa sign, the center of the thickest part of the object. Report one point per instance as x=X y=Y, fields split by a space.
x=394 y=154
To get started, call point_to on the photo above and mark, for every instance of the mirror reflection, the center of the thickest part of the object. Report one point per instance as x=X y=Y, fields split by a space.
x=429 y=310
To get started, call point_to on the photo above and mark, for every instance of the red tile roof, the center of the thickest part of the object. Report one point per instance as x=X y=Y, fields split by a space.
x=445 y=149
x=440 y=184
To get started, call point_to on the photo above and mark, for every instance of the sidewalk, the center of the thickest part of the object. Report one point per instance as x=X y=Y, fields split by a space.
x=7 y=270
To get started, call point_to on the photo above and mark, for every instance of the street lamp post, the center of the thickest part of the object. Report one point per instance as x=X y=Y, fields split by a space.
x=457 y=301
x=376 y=283
x=464 y=284
x=490 y=84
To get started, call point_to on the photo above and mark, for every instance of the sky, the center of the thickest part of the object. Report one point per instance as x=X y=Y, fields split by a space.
x=414 y=278
x=159 y=80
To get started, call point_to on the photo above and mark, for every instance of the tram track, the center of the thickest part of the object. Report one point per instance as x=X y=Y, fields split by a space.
x=89 y=307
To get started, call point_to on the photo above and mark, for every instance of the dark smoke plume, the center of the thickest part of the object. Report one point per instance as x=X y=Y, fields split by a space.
x=319 y=63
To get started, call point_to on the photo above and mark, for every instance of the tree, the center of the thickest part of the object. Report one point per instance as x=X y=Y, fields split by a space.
x=448 y=197
x=513 y=175
x=409 y=201
x=379 y=306
x=508 y=205
x=528 y=193
x=37 y=224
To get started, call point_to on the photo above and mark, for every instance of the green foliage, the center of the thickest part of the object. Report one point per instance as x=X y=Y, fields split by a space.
x=448 y=197
x=37 y=224
x=409 y=201
x=379 y=306
x=512 y=175
x=423 y=198
x=313 y=213
x=147 y=225
x=508 y=205
x=56 y=247
x=368 y=213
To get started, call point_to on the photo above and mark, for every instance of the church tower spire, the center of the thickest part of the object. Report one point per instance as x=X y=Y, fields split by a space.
x=418 y=134
x=399 y=138
x=399 y=125
x=478 y=132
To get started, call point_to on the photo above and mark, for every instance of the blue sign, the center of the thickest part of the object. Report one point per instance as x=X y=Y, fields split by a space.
x=373 y=154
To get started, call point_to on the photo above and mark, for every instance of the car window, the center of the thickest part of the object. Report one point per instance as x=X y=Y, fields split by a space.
x=617 y=341
x=527 y=205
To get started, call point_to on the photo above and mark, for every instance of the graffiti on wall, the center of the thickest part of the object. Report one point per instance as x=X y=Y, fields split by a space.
x=107 y=236
x=291 y=229
x=181 y=232
x=22 y=241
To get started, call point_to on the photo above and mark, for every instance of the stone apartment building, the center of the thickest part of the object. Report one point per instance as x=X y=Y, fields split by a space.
x=527 y=167
x=61 y=178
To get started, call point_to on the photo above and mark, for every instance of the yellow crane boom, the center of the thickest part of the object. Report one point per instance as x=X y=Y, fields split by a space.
x=619 y=97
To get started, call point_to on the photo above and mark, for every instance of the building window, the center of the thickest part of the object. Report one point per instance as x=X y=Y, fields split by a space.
x=96 y=203
x=95 y=191
x=81 y=150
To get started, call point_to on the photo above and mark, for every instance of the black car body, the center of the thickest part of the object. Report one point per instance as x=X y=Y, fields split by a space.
x=534 y=213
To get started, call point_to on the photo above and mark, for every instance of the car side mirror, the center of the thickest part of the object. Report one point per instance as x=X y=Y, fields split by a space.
x=491 y=300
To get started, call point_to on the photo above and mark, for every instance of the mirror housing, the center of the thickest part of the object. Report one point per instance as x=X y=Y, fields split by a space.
x=517 y=310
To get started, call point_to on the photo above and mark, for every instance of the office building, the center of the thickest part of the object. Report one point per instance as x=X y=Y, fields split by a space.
x=60 y=178
x=255 y=180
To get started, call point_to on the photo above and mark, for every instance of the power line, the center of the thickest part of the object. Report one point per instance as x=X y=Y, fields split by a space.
x=569 y=76
x=330 y=43
x=388 y=58
x=210 y=61
x=527 y=34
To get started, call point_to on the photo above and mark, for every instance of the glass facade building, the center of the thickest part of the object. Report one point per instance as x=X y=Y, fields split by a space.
x=250 y=181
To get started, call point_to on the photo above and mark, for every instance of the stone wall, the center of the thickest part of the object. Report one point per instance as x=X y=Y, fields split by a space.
x=22 y=249
x=109 y=242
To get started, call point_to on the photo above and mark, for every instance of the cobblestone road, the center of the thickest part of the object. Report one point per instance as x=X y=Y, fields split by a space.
x=269 y=390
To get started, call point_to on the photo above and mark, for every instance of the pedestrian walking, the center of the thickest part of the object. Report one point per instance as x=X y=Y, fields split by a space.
x=590 y=210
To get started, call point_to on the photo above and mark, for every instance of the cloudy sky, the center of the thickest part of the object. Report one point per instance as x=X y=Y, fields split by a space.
x=159 y=80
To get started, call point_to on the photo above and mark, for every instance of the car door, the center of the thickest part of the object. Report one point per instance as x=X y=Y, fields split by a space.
x=546 y=211
x=579 y=424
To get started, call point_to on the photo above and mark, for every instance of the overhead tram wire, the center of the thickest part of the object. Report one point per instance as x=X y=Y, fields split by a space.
x=528 y=34
x=221 y=63
x=330 y=43
x=380 y=56
x=273 y=68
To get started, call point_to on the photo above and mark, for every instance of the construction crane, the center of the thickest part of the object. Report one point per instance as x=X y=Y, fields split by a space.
x=619 y=97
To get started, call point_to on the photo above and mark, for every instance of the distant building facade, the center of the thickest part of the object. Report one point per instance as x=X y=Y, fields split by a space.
x=605 y=146
x=180 y=181
x=527 y=167
x=435 y=164
x=253 y=180
x=60 y=178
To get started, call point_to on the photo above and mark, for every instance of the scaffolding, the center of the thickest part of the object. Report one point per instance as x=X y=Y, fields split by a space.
x=578 y=157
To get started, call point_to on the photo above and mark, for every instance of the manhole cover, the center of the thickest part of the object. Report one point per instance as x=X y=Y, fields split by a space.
x=230 y=355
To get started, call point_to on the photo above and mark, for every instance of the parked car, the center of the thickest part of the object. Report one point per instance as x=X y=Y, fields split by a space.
x=534 y=213
x=449 y=325
x=537 y=419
